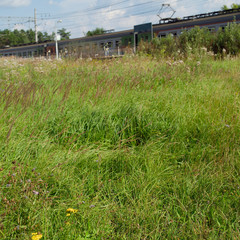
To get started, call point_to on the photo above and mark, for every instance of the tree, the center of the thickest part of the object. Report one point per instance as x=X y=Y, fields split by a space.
x=97 y=31
x=31 y=35
x=233 y=6
x=18 y=37
x=4 y=38
x=64 y=35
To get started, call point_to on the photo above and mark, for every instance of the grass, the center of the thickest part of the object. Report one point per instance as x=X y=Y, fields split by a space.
x=139 y=148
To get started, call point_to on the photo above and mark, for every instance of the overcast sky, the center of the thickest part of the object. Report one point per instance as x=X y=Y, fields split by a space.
x=79 y=16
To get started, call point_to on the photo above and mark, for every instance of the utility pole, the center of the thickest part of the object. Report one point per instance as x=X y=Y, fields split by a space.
x=35 y=24
x=56 y=38
x=29 y=21
x=9 y=18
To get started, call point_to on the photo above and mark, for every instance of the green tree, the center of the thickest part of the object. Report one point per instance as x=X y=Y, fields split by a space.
x=233 y=6
x=18 y=37
x=31 y=35
x=97 y=31
x=24 y=37
x=64 y=34
x=4 y=38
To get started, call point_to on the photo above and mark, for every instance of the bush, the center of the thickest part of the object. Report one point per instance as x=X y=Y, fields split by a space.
x=228 y=39
x=197 y=41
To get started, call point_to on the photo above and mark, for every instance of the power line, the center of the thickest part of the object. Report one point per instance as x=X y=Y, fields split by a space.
x=96 y=14
x=73 y=27
x=119 y=17
x=86 y=12
x=90 y=9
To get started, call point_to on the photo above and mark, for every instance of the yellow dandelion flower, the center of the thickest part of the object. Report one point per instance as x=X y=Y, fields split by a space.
x=36 y=236
x=72 y=210
x=68 y=214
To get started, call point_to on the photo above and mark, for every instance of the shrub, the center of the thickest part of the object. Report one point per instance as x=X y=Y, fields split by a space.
x=197 y=41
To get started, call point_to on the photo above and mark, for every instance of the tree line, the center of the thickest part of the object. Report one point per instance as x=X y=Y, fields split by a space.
x=19 y=37
x=233 y=6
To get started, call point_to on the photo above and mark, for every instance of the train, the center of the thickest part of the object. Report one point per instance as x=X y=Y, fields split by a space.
x=118 y=43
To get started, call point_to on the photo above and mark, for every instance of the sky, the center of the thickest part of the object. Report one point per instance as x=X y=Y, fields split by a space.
x=80 y=16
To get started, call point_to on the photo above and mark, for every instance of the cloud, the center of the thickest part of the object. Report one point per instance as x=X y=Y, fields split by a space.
x=14 y=3
x=69 y=5
x=51 y=2
x=20 y=27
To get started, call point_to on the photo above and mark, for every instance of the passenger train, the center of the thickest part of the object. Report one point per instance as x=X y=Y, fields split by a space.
x=118 y=42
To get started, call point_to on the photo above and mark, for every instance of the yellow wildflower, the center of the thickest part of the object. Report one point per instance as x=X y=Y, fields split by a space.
x=68 y=214
x=72 y=210
x=36 y=236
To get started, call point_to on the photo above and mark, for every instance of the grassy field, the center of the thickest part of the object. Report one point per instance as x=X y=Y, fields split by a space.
x=131 y=148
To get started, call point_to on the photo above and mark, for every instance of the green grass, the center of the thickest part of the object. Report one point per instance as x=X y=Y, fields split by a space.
x=142 y=148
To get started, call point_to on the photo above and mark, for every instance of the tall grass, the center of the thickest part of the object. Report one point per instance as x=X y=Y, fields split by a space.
x=133 y=148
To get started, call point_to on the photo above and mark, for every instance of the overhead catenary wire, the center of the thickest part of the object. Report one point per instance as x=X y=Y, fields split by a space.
x=97 y=13
x=119 y=17
x=86 y=13
x=112 y=10
x=88 y=9
x=152 y=10
x=73 y=25
x=75 y=29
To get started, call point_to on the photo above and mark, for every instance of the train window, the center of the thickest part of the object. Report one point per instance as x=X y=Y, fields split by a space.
x=212 y=29
x=162 y=35
x=110 y=44
x=222 y=27
x=117 y=43
x=102 y=45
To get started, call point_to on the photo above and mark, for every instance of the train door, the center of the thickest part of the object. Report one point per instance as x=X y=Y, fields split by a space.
x=141 y=30
x=135 y=43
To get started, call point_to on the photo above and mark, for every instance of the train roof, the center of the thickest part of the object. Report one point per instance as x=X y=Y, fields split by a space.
x=198 y=16
x=99 y=37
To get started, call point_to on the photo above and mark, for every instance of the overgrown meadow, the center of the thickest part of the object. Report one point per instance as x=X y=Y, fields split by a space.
x=130 y=148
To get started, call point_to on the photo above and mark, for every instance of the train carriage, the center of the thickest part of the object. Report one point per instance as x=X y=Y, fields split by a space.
x=117 y=42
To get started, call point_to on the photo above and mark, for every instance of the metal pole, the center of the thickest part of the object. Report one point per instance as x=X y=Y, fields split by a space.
x=134 y=44
x=56 y=48
x=56 y=41
x=35 y=24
